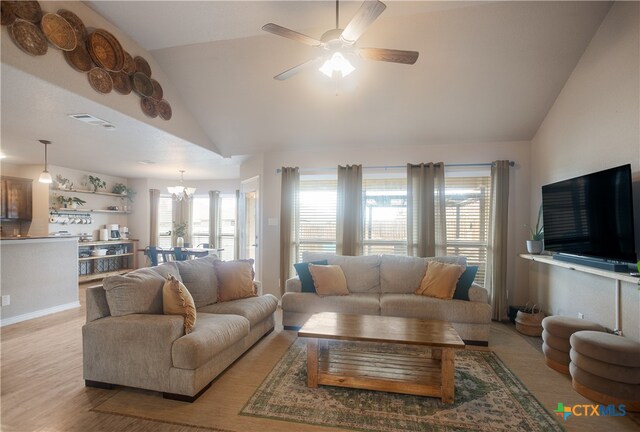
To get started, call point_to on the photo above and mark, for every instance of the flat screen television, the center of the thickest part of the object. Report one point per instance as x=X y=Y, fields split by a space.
x=591 y=216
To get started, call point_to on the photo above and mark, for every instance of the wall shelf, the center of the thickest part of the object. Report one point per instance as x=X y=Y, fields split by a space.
x=547 y=259
x=90 y=192
x=65 y=210
x=99 y=267
x=104 y=256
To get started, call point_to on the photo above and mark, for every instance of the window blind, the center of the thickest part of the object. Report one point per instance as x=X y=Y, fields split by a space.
x=316 y=231
x=385 y=215
x=468 y=208
x=165 y=221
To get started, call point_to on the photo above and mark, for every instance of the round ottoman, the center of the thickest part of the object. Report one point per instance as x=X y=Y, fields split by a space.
x=606 y=368
x=555 y=339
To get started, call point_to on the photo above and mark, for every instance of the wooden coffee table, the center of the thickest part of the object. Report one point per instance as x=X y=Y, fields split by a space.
x=382 y=371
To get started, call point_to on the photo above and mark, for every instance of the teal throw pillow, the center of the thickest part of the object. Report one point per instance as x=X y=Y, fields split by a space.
x=464 y=283
x=305 y=275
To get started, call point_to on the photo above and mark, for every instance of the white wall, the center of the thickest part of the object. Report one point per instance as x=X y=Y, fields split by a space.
x=462 y=153
x=593 y=125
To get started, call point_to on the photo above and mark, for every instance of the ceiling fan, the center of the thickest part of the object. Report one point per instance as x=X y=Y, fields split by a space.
x=340 y=44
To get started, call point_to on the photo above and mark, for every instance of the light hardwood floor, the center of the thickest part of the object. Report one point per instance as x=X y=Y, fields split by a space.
x=42 y=387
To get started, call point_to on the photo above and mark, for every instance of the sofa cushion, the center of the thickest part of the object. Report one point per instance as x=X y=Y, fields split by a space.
x=211 y=335
x=302 y=269
x=255 y=309
x=199 y=276
x=360 y=303
x=235 y=280
x=440 y=280
x=361 y=272
x=328 y=279
x=167 y=269
x=416 y=306
x=403 y=274
x=139 y=291
x=464 y=283
x=176 y=300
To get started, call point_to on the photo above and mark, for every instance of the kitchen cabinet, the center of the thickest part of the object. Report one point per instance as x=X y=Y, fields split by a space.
x=17 y=198
x=120 y=259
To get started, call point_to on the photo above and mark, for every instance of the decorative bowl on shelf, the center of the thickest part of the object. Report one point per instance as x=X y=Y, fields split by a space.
x=99 y=252
x=114 y=208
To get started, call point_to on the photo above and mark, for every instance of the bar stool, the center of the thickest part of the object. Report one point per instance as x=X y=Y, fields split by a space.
x=555 y=336
x=606 y=368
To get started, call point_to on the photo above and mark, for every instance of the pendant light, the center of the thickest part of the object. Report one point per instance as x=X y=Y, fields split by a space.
x=45 y=177
x=181 y=192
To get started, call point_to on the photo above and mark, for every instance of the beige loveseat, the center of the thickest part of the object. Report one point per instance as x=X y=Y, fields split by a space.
x=385 y=285
x=128 y=341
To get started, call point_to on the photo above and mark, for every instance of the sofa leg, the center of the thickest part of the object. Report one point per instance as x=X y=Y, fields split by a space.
x=98 y=384
x=184 y=398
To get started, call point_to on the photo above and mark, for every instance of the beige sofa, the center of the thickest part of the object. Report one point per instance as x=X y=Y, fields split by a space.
x=128 y=341
x=385 y=285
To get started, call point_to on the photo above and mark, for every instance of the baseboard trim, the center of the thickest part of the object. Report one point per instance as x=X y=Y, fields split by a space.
x=39 y=313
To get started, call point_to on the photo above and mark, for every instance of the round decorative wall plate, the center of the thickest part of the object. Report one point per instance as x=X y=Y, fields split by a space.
x=164 y=110
x=157 y=90
x=79 y=59
x=6 y=9
x=28 y=37
x=105 y=50
x=121 y=82
x=148 y=106
x=27 y=10
x=142 y=84
x=142 y=66
x=58 y=31
x=100 y=80
x=129 y=65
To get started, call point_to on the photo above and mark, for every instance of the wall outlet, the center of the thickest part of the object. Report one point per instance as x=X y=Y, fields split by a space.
x=580 y=315
x=6 y=300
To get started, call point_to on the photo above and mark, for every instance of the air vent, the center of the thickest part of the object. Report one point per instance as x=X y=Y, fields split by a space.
x=92 y=120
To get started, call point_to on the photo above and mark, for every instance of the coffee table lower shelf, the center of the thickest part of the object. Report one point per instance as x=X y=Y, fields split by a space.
x=388 y=372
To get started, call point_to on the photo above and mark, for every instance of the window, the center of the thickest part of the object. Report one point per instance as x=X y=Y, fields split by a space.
x=468 y=208
x=385 y=213
x=200 y=220
x=165 y=221
x=227 y=226
x=317 y=217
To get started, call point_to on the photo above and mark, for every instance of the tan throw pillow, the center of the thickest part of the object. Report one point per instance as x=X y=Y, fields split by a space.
x=328 y=279
x=235 y=279
x=176 y=300
x=440 y=280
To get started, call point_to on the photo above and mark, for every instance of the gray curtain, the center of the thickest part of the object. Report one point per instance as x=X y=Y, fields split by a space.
x=181 y=211
x=289 y=191
x=496 y=275
x=154 y=204
x=426 y=218
x=214 y=219
x=349 y=211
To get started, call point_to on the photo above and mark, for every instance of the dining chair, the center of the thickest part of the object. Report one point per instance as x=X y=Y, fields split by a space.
x=180 y=254
x=152 y=253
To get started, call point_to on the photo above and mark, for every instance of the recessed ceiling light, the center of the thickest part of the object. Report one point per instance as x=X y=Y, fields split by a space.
x=92 y=120
x=146 y=162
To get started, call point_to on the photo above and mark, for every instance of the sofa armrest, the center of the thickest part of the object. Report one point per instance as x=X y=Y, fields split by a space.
x=293 y=285
x=478 y=294
x=96 y=300
x=132 y=350
x=257 y=285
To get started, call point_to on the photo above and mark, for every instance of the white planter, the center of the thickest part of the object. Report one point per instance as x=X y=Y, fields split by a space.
x=179 y=242
x=534 y=246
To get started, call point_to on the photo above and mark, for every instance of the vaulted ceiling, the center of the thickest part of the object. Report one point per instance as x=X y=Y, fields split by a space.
x=487 y=71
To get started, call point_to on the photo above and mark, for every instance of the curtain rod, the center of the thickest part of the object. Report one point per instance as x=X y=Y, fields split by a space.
x=511 y=163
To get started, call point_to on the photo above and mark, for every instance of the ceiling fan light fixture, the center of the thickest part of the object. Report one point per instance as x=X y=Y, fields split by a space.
x=337 y=63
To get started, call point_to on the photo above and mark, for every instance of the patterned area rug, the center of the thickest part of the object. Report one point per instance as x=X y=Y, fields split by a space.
x=488 y=397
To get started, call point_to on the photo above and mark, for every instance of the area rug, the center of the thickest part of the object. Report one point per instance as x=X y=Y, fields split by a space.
x=488 y=397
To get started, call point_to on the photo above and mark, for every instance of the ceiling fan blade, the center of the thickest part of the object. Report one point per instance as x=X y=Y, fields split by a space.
x=389 y=55
x=366 y=15
x=290 y=34
x=296 y=69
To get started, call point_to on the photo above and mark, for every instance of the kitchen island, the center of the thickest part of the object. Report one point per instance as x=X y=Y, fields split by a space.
x=39 y=275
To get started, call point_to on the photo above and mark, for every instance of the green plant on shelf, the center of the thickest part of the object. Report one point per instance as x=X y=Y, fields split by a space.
x=123 y=190
x=97 y=183
x=67 y=202
x=538 y=234
x=63 y=182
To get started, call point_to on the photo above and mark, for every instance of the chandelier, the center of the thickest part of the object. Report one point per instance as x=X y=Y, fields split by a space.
x=181 y=192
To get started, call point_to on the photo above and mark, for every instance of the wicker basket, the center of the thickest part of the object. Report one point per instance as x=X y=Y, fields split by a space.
x=529 y=322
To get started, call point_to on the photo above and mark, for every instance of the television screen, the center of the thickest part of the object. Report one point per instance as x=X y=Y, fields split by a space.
x=591 y=215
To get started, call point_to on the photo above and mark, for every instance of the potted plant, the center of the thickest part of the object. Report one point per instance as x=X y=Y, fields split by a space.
x=125 y=191
x=534 y=246
x=75 y=202
x=63 y=182
x=179 y=230
x=97 y=183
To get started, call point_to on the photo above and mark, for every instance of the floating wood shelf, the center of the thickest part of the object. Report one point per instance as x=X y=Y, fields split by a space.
x=90 y=192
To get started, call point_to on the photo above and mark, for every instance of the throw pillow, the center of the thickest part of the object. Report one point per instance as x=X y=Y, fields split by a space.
x=440 y=280
x=176 y=300
x=464 y=283
x=305 y=276
x=328 y=280
x=235 y=279
x=137 y=292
